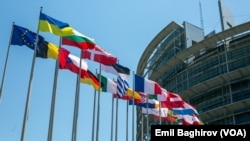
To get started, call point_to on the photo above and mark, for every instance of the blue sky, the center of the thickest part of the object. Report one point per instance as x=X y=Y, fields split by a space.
x=123 y=28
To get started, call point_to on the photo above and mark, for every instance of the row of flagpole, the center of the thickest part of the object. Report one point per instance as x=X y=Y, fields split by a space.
x=74 y=129
x=76 y=105
x=53 y=100
x=95 y=133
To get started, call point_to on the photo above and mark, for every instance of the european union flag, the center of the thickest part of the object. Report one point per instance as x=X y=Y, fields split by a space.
x=22 y=36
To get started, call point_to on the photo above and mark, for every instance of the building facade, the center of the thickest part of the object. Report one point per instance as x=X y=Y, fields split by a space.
x=211 y=72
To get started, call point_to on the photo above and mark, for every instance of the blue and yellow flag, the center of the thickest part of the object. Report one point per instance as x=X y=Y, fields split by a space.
x=59 y=28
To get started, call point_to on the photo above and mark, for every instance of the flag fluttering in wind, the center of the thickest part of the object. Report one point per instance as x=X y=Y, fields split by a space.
x=89 y=78
x=133 y=94
x=122 y=74
x=169 y=99
x=79 y=40
x=90 y=50
x=150 y=103
x=174 y=100
x=117 y=70
x=187 y=109
x=170 y=118
x=49 y=24
x=146 y=85
x=73 y=63
x=160 y=97
x=122 y=86
x=23 y=36
x=129 y=96
x=190 y=119
x=108 y=85
x=163 y=112
x=99 y=55
x=172 y=107
x=47 y=50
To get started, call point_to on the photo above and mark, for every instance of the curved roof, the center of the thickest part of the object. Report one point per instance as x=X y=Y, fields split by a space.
x=208 y=43
x=152 y=45
x=181 y=56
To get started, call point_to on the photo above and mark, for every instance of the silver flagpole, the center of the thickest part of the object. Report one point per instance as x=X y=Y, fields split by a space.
x=116 y=117
x=53 y=99
x=25 y=118
x=142 y=130
x=6 y=61
x=98 y=106
x=133 y=110
x=116 y=120
x=127 y=121
x=147 y=119
x=76 y=108
x=112 y=115
x=93 y=121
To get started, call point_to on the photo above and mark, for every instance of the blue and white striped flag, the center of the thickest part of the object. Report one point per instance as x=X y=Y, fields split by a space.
x=122 y=77
x=122 y=86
